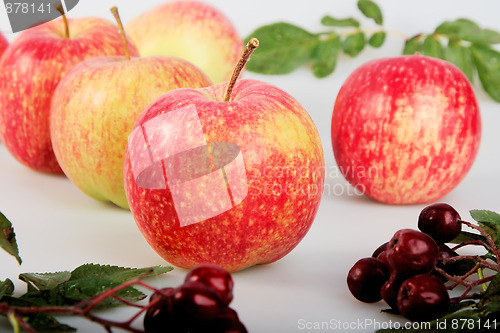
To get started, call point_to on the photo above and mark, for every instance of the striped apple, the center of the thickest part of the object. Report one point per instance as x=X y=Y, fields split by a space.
x=3 y=44
x=233 y=179
x=406 y=129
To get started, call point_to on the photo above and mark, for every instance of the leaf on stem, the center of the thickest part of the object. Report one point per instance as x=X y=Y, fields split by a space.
x=467 y=30
x=44 y=281
x=413 y=45
x=283 y=48
x=489 y=221
x=6 y=288
x=371 y=10
x=330 y=21
x=461 y=57
x=432 y=47
x=325 y=57
x=354 y=43
x=377 y=39
x=487 y=62
x=8 y=238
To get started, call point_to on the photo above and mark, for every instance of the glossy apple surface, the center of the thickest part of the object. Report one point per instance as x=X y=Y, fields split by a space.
x=32 y=67
x=3 y=44
x=93 y=110
x=191 y=30
x=234 y=183
x=406 y=129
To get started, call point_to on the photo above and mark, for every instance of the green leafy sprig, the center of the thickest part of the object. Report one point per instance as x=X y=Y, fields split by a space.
x=471 y=311
x=81 y=292
x=285 y=47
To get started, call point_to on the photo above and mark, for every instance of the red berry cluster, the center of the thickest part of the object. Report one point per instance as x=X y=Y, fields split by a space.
x=402 y=271
x=200 y=304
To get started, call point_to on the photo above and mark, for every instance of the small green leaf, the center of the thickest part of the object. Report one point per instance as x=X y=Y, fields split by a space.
x=432 y=47
x=8 y=238
x=488 y=36
x=377 y=39
x=44 y=281
x=354 y=44
x=325 y=57
x=461 y=57
x=413 y=45
x=283 y=47
x=116 y=273
x=6 y=288
x=330 y=21
x=465 y=236
x=487 y=63
x=463 y=29
x=492 y=290
x=371 y=10
x=44 y=323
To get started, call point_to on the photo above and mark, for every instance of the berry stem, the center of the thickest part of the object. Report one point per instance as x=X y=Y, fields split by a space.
x=114 y=11
x=253 y=43
x=492 y=247
x=60 y=9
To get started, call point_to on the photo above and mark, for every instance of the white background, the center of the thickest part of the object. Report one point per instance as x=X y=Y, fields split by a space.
x=59 y=228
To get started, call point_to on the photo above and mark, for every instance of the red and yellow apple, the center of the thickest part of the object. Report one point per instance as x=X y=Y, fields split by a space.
x=191 y=30
x=3 y=44
x=32 y=67
x=233 y=183
x=406 y=129
x=93 y=110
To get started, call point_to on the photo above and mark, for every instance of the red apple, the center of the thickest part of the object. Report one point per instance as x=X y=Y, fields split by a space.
x=192 y=30
x=406 y=129
x=3 y=44
x=32 y=67
x=233 y=181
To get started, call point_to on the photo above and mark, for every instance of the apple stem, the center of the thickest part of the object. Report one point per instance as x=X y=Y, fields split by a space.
x=60 y=9
x=253 y=43
x=114 y=10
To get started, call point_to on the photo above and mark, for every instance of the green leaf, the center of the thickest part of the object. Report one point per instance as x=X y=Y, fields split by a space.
x=464 y=29
x=8 y=238
x=6 y=288
x=377 y=39
x=116 y=273
x=44 y=323
x=488 y=220
x=465 y=236
x=371 y=10
x=44 y=281
x=432 y=47
x=461 y=57
x=330 y=21
x=325 y=57
x=413 y=45
x=487 y=63
x=354 y=44
x=283 y=47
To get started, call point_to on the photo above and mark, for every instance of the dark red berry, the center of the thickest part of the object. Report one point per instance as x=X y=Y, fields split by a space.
x=366 y=278
x=440 y=221
x=412 y=252
x=215 y=277
x=159 y=314
x=380 y=249
x=390 y=289
x=226 y=322
x=194 y=303
x=383 y=257
x=423 y=298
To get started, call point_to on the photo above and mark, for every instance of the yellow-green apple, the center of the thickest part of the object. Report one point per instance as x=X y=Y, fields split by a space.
x=221 y=176
x=32 y=67
x=191 y=30
x=406 y=129
x=3 y=44
x=93 y=110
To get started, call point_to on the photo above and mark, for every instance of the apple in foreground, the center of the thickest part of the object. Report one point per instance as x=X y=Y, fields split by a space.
x=32 y=66
x=191 y=30
x=228 y=177
x=3 y=44
x=406 y=129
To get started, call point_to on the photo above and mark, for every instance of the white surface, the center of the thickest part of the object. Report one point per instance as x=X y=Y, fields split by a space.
x=59 y=228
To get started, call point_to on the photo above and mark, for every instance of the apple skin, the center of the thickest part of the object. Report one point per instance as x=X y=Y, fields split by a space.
x=284 y=165
x=191 y=30
x=3 y=44
x=94 y=107
x=32 y=67
x=406 y=130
